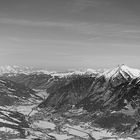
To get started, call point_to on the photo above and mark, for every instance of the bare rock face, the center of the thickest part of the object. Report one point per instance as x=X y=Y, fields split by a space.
x=12 y=92
x=69 y=90
x=33 y=80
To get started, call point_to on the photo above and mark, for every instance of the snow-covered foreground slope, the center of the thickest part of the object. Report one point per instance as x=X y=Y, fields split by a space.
x=47 y=124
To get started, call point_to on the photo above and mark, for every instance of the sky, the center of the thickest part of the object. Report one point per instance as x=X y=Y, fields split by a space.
x=70 y=34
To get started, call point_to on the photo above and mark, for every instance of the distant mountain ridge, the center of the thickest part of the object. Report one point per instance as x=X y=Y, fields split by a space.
x=14 y=70
x=31 y=70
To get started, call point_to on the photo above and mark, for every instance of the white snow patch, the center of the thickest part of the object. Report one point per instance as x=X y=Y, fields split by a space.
x=44 y=124
x=126 y=138
x=2 y=81
x=5 y=121
x=60 y=137
x=110 y=72
x=11 y=89
x=76 y=131
x=134 y=72
x=95 y=132
x=5 y=129
x=99 y=133
x=76 y=72
x=25 y=109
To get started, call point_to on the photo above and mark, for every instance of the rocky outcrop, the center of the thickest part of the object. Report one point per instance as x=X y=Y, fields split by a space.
x=11 y=92
x=68 y=90
x=33 y=81
x=14 y=121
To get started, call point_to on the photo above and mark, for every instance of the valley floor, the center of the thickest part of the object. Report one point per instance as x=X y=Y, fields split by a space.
x=47 y=124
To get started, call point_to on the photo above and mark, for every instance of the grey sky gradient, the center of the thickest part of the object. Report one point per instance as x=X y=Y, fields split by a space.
x=69 y=34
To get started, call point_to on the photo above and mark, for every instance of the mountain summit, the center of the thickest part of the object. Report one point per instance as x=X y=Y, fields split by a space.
x=123 y=70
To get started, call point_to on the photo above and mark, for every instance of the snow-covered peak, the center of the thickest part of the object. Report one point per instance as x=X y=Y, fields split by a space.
x=76 y=72
x=91 y=71
x=109 y=72
x=123 y=69
x=14 y=69
x=133 y=72
x=67 y=74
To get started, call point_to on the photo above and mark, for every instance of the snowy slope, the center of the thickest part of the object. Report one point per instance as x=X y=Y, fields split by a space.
x=123 y=70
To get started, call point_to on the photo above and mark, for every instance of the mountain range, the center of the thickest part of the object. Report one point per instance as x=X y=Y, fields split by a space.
x=108 y=98
x=80 y=87
x=100 y=88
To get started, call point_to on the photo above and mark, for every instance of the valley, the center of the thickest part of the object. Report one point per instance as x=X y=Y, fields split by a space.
x=84 y=105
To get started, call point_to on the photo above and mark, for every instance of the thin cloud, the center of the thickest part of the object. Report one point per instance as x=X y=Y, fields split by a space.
x=81 y=27
x=81 y=5
x=32 y=23
x=89 y=30
x=73 y=25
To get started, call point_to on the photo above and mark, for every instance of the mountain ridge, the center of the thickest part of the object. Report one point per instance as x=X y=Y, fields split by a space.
x=102 y=89
x=31 y=70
